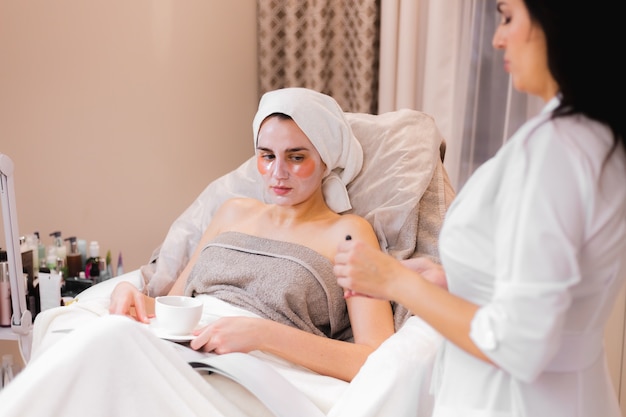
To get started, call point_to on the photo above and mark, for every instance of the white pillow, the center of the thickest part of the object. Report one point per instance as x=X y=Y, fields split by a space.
x=401 y=152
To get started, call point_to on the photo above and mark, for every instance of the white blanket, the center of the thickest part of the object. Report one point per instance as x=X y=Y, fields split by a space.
x=99 y=366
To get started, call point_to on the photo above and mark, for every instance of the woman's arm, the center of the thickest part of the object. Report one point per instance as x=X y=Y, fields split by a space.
x=320 y=354
x=371 y=320
x=378 y=275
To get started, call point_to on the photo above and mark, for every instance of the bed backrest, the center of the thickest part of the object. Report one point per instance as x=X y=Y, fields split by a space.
x=402 y=190
x=402 y=159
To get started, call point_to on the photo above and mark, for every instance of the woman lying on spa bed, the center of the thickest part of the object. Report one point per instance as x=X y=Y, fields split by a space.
x=270 y=264
x=303 y=320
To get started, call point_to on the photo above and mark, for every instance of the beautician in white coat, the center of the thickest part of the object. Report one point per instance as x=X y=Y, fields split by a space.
x=534 y=244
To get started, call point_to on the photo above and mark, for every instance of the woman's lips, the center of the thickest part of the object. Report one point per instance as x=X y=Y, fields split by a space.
x=281 y=190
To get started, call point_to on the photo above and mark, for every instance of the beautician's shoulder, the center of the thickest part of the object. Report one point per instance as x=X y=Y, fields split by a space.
x=575 y=140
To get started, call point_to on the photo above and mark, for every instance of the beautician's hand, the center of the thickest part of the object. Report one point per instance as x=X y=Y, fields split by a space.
x=231 y=334
x=127 y=300
x=362 y=270
x=430 y=270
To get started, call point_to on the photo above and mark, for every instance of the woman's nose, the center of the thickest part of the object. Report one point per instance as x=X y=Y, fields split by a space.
x=280 y=169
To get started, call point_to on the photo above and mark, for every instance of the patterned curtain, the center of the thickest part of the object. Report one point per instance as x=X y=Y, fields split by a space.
x=331 y=46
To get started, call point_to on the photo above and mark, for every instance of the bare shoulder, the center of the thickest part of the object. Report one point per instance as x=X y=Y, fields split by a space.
x=238 y=204
x=242 y=203
x=355 y=220
x=357 y=227
x=233 y=210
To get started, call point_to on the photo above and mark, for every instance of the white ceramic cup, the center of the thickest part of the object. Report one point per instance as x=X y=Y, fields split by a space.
x=177 y=314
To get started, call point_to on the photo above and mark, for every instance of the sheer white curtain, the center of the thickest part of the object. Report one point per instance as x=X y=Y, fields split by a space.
x=436 y=56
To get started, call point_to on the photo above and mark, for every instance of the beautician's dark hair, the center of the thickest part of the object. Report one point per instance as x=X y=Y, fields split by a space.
x=585 y=44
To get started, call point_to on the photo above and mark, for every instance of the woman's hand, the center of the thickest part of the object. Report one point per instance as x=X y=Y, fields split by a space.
x=127 y=300
x=230 y=334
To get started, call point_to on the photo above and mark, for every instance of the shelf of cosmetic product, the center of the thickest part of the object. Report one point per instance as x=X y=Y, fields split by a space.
x=6 y=333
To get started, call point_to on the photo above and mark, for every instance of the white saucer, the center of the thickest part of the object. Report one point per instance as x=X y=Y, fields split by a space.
x=173 y=337
x=162 y=334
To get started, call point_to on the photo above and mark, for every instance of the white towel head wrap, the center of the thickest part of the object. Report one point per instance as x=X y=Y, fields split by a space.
x=324 y=123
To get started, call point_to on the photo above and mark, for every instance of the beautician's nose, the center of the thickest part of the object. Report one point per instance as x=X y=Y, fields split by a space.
x=498 y=39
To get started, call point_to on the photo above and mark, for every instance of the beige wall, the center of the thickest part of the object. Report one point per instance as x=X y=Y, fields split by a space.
x=118 y=113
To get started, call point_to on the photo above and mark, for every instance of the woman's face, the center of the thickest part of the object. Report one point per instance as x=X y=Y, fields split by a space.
x=525 y=52
x=288 y=162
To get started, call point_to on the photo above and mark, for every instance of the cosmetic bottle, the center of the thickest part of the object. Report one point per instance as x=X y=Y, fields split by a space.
x=50 y=287
x=102 y=268
x=109 y=265
x=61 y=249
x=74 y=260
x=51 y=257
x=41 y=251
x=92 y=264
x=5 y=291
x=120 y=265
x=30 y=244
x=82 y=249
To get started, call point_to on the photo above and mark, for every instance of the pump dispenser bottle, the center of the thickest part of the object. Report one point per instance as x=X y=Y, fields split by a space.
x=74 y=259
x=61 y=250
x=41 y=251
